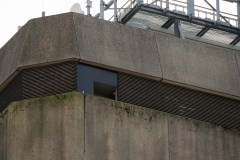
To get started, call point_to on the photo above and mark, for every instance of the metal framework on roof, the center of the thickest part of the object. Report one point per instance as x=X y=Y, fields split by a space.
x=181 y=16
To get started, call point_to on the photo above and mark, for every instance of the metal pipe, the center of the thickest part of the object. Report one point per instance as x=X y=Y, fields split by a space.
x=115 y=11
x=43 y=14
x=218 y=10
x=89 y=5
x=238 y=13
x=167 y=5
x=190 y=8
x=101 y=9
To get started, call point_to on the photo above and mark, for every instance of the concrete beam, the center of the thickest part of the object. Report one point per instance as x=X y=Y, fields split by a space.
x=197 y=64
x=116 y=45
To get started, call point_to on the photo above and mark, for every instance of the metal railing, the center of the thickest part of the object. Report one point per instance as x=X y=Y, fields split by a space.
x=200 y=12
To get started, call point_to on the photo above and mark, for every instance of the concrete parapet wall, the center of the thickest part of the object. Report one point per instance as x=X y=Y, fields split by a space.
x=44 y=128
x=77 y=126
x=110 y=45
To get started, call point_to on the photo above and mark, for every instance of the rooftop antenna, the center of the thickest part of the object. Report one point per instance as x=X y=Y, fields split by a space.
x=76 y=8
x=43 y=12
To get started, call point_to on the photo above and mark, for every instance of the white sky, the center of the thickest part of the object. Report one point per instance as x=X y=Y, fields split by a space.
x=14 y=13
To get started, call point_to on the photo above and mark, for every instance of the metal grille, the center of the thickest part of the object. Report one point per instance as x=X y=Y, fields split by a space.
x=143 y=19
x=220 y=36
x=49 y=80
x=12 y=92
x=178 y=100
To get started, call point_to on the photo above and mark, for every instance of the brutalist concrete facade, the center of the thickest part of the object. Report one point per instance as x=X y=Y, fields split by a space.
x=158 y=56
x=76 y=126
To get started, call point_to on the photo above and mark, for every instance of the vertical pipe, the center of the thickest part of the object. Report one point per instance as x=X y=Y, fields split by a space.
x=89 y=5
x=101 y=9
x=218 y=10
x=115 y=11
x=190 y=8
x=43 y=14
x=167 y=5
x=238 y=13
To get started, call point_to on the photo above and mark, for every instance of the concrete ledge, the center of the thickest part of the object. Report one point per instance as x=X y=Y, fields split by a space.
x=76 y=126
x=116 y=45
x=197 y=64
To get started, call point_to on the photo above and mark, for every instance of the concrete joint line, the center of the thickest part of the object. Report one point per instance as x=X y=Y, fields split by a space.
x=158 y=55
x=75 y=34
x=237 y=64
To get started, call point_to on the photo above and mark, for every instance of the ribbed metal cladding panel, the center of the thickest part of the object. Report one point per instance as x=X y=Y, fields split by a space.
x=179 y=101
x=12 y=92
x=49 y=80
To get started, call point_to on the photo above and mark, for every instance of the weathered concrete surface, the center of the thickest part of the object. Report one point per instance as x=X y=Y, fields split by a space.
x=115 y=45
x=197 y=64
x=115 y=130
x=46 y=128
x=10 y=54
x=3 y=136
x=49 y=39
x=74 y=126
x=238 y=61
x=190 y=139
x=73 y=36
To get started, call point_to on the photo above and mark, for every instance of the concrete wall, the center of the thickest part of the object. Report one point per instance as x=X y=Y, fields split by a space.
x=77 y=126
x=44 y=128
x=150 y=54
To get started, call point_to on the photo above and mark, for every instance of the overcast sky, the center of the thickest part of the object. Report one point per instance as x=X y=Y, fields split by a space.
x=14 y=13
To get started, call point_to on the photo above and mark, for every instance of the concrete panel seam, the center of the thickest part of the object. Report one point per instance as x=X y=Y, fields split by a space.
x=84 y=126
x=158 y=55
x=237 y=64
x=75 y=34
x=24 y=42
x=168 y=121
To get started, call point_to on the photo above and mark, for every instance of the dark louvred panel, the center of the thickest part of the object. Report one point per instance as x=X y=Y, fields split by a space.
x=179 y=101
x=49 y=80
x=12 y=92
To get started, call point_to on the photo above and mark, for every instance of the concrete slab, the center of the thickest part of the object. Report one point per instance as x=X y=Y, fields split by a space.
x=190 y=139
x=115 y=130
x=198 y=64
x=49 y=39
x=122 y=47
x=10 y=54
x=3 y=136
x=50 y=128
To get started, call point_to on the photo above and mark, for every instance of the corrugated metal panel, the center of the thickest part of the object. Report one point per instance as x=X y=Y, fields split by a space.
x=49 y=80
x=12 y=92
x=178 y=100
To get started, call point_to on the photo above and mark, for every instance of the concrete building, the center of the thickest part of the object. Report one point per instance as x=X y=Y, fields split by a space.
x=172 y=99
